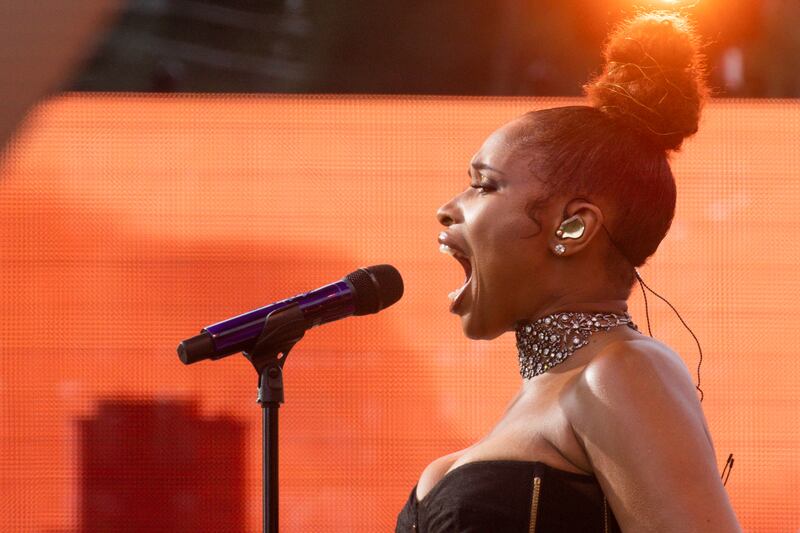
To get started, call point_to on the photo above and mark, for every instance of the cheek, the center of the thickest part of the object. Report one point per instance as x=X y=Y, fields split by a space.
x=514 y=246
x=515 y=270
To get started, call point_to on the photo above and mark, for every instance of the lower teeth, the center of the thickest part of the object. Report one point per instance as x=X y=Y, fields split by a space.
x=456 y=293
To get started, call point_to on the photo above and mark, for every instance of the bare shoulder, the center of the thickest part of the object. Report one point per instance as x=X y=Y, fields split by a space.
x=635 y=412
x=640 y=380
x=633 y=367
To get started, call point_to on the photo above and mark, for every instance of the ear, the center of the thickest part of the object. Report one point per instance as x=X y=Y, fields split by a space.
x=576 y=230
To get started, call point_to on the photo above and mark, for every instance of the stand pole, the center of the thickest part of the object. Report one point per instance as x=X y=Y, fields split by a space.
x=282 y=329
x=269 y=461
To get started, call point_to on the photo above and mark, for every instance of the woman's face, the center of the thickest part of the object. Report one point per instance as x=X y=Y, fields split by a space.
x=505 y=254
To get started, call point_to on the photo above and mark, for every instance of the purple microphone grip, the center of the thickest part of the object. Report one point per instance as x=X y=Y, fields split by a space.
x=325 y=304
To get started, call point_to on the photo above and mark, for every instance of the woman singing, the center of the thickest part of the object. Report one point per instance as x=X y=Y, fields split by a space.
x=606 y=432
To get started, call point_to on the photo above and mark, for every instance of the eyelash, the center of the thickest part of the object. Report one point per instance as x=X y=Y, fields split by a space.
x=486 y=188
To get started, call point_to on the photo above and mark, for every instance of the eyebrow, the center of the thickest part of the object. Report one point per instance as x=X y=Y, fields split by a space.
x=484 y=166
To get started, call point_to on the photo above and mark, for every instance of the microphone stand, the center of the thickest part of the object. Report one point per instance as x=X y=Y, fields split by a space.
x=283 y=328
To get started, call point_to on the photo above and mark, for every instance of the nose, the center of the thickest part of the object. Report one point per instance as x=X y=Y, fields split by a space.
x=447 y=214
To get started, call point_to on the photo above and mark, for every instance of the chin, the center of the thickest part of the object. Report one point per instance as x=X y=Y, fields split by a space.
x=475 y=330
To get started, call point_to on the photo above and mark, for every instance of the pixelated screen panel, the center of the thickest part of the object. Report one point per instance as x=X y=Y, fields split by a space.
x=131 y=221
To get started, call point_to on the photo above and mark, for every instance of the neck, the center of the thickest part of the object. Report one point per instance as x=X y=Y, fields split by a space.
x=619 y=307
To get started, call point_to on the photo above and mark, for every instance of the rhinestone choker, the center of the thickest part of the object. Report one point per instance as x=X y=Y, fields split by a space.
x=551 y=339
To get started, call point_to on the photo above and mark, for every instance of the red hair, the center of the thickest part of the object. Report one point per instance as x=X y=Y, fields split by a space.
x=646 y=100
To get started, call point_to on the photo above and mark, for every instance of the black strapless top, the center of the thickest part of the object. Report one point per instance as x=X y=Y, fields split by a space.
x=509 y=496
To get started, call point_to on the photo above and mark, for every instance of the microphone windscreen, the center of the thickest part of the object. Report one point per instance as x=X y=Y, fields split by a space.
x=376 y=287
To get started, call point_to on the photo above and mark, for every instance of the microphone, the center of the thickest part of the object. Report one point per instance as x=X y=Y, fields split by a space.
x=362 y=292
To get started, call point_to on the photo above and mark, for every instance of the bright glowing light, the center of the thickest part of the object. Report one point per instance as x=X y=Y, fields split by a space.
x=675 y=3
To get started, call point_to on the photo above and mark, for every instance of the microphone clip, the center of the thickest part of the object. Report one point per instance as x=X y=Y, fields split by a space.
x=283 y=328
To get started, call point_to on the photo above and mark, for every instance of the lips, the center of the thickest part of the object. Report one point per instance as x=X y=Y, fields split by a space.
x=447 y=246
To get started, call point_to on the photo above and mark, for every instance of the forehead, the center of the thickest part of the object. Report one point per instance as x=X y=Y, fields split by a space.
x=499 y=151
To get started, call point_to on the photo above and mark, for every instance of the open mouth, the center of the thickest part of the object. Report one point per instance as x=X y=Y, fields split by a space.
x=456 y=295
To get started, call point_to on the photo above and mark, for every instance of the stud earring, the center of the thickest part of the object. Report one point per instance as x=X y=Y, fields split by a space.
x=559 y=249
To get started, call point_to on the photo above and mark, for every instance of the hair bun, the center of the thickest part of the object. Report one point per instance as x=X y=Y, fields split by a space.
x=653 y=78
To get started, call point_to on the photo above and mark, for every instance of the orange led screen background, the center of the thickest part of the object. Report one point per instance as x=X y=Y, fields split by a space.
x=131 y=221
